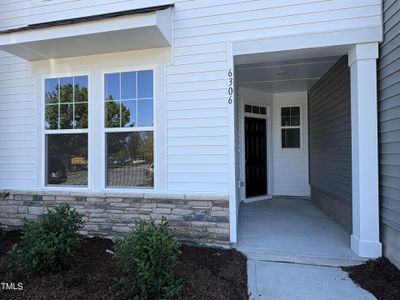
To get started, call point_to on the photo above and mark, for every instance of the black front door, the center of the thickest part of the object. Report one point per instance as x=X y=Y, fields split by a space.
x=256 y=157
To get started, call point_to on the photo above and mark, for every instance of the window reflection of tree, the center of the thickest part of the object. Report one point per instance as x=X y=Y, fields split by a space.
x=130 y=147
x=66 y=112
x=67 y=108
x=114 y=115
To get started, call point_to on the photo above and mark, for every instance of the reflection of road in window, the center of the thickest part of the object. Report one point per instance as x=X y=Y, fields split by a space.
x=129 y=105
x=66 y=130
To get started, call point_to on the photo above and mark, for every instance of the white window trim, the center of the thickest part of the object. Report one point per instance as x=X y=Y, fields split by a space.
x=42 y=132
x=291 y=127
x=102 y=165
x=96 y=183
x=258 y=116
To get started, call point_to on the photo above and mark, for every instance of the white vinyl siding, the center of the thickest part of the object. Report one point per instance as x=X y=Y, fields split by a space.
x=46 y=11
x=240 y=14
x=18 y=119
x=198 y=76
x=197 y=121
x=14 y=13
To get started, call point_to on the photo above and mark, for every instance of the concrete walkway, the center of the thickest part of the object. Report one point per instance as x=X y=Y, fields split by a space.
x=286 y=281
x=293 y=230
x=295 y=252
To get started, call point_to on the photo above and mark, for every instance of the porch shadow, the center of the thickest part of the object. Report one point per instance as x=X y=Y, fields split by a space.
x=293 y=230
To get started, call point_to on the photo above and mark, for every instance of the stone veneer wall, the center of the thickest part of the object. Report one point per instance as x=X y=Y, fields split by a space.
x=194 y=219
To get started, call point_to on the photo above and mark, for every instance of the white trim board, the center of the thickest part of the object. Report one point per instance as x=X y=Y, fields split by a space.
x=97 y=65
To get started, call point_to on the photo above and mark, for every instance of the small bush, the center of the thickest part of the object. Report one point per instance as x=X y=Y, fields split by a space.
x=147 y=257
x=49 y=243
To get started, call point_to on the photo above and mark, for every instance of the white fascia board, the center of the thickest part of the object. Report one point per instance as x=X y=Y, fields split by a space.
x=86 y=28
x=345 y=38
x=164 y=22
x=153 y=29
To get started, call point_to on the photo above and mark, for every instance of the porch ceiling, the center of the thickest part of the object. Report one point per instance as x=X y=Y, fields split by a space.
x=284 y=76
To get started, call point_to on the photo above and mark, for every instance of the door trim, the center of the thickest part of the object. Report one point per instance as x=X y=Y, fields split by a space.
x=268 y=132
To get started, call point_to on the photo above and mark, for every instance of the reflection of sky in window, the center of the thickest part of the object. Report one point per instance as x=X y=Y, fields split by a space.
x=125 y=88
x=50 y=87
x=112 y=86
x=81 y=81
x=145 y=113
x=145 y=84
x=128 y=85
x=131 y=106
x=67 y=80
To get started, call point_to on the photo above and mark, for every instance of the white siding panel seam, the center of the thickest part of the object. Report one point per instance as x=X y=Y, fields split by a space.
x=229 y=7
x=265 y=14
x=272 y=22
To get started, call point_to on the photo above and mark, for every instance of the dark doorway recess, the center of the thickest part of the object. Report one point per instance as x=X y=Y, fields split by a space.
x=256 y=157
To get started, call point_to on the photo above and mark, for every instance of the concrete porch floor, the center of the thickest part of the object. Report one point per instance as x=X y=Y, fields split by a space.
x=293 y=230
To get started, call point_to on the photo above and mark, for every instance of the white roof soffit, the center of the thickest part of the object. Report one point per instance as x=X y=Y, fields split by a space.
x=114 y=32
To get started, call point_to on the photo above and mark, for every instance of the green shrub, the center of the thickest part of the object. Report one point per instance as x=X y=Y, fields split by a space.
x=49 y=243
x=147 y=257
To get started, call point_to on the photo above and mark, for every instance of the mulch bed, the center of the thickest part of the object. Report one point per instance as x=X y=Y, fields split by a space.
x=380 y=277
x=207 y=273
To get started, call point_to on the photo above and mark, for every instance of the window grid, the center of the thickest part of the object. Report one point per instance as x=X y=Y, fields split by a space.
x=252 y=109
x=71 y=166
x=290 y=126
x=121 y=101
x=128 y=176
x=291 y=117
x=73 y=104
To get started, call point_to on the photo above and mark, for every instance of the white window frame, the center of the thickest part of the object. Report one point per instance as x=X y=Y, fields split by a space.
x=291 y=127
x=42 y=149
x=269 y=132
x=103 y=164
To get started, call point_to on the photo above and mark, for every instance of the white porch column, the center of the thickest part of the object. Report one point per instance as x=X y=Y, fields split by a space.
x=364 y=124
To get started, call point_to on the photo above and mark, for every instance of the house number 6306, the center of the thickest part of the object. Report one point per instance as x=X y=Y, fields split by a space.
x=230 y=87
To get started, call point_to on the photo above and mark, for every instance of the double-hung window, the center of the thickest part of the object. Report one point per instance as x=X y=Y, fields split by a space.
x=291 y=127
x=66 y=131
x=128 y=109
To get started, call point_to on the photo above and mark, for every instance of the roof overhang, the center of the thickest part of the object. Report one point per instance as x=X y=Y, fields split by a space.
x=114 y=32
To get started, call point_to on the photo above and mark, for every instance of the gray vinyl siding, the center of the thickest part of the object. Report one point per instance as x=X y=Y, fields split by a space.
x=389 y=115
x=330 y=133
